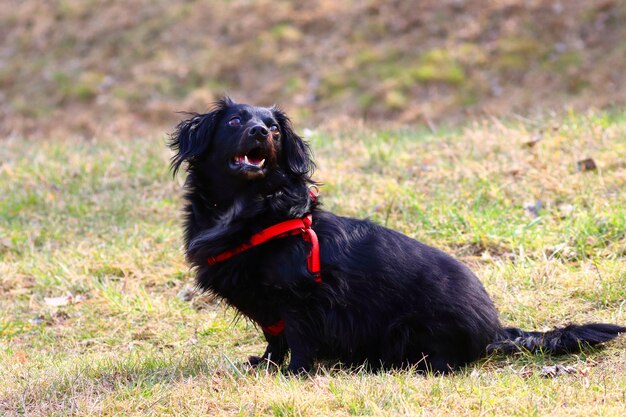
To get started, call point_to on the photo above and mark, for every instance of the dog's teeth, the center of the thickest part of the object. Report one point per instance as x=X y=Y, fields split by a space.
x=261 y=163
x=245 y=159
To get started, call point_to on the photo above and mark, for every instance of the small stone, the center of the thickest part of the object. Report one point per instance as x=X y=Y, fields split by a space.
x=533 y=208
x=60 y=317
x=565 y=210
x=36 y=321
x=186 y=294
x=585 y=165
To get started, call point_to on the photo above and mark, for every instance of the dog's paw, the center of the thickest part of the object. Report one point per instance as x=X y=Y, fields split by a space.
x=256 y=360
x=297 y=370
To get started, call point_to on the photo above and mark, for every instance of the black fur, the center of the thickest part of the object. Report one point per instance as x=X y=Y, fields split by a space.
x=386 y=300
x=568 y=339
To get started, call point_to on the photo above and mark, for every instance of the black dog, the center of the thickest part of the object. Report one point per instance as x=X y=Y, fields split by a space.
x=382 y=298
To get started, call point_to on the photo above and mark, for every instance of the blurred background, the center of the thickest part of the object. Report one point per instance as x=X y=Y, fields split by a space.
x=119 y=68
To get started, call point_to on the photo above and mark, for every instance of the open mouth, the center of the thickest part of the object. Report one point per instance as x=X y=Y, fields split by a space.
x=254 y=159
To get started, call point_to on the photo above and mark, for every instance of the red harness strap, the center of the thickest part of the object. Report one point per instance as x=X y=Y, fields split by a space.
x=287 y=228
x=284 y=229
x=274 y=329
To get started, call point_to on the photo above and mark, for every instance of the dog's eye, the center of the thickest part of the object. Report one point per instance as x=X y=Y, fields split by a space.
x=274 y=129
x=235 y=121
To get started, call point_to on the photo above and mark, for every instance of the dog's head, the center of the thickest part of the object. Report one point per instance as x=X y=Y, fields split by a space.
x=240 y=142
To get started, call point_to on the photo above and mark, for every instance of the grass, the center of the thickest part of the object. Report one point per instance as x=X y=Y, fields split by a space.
x=100 y=221
x=132 y=65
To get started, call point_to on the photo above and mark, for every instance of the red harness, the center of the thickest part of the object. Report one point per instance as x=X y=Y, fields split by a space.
x=287 y=228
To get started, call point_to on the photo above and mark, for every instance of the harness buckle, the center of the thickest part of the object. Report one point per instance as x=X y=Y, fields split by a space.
x=314 y=191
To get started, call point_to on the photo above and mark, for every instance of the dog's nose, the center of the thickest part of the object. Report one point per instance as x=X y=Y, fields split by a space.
x=258 y=131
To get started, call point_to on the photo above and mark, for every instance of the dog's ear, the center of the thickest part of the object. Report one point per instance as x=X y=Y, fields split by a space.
x=296 y=154
x=192 y=137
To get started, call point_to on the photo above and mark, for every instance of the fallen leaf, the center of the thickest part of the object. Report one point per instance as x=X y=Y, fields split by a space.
x=59 y=301
x=552 y=371
x=6 y=243
x=533 y=141
x=21 y=356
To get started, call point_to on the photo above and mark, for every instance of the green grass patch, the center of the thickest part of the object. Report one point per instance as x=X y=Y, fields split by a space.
x=97 y=315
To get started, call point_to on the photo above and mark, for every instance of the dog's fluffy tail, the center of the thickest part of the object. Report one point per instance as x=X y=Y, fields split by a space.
x=568 y=339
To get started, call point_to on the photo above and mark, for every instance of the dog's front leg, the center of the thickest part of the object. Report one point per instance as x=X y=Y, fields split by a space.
x=274 y=352
x=302 y=351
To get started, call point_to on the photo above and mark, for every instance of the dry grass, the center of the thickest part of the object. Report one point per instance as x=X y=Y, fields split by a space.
x=99 y=221
x=73 y=66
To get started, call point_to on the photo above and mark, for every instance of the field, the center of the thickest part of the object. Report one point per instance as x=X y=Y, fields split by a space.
x=98 y=315
x=83 y=67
